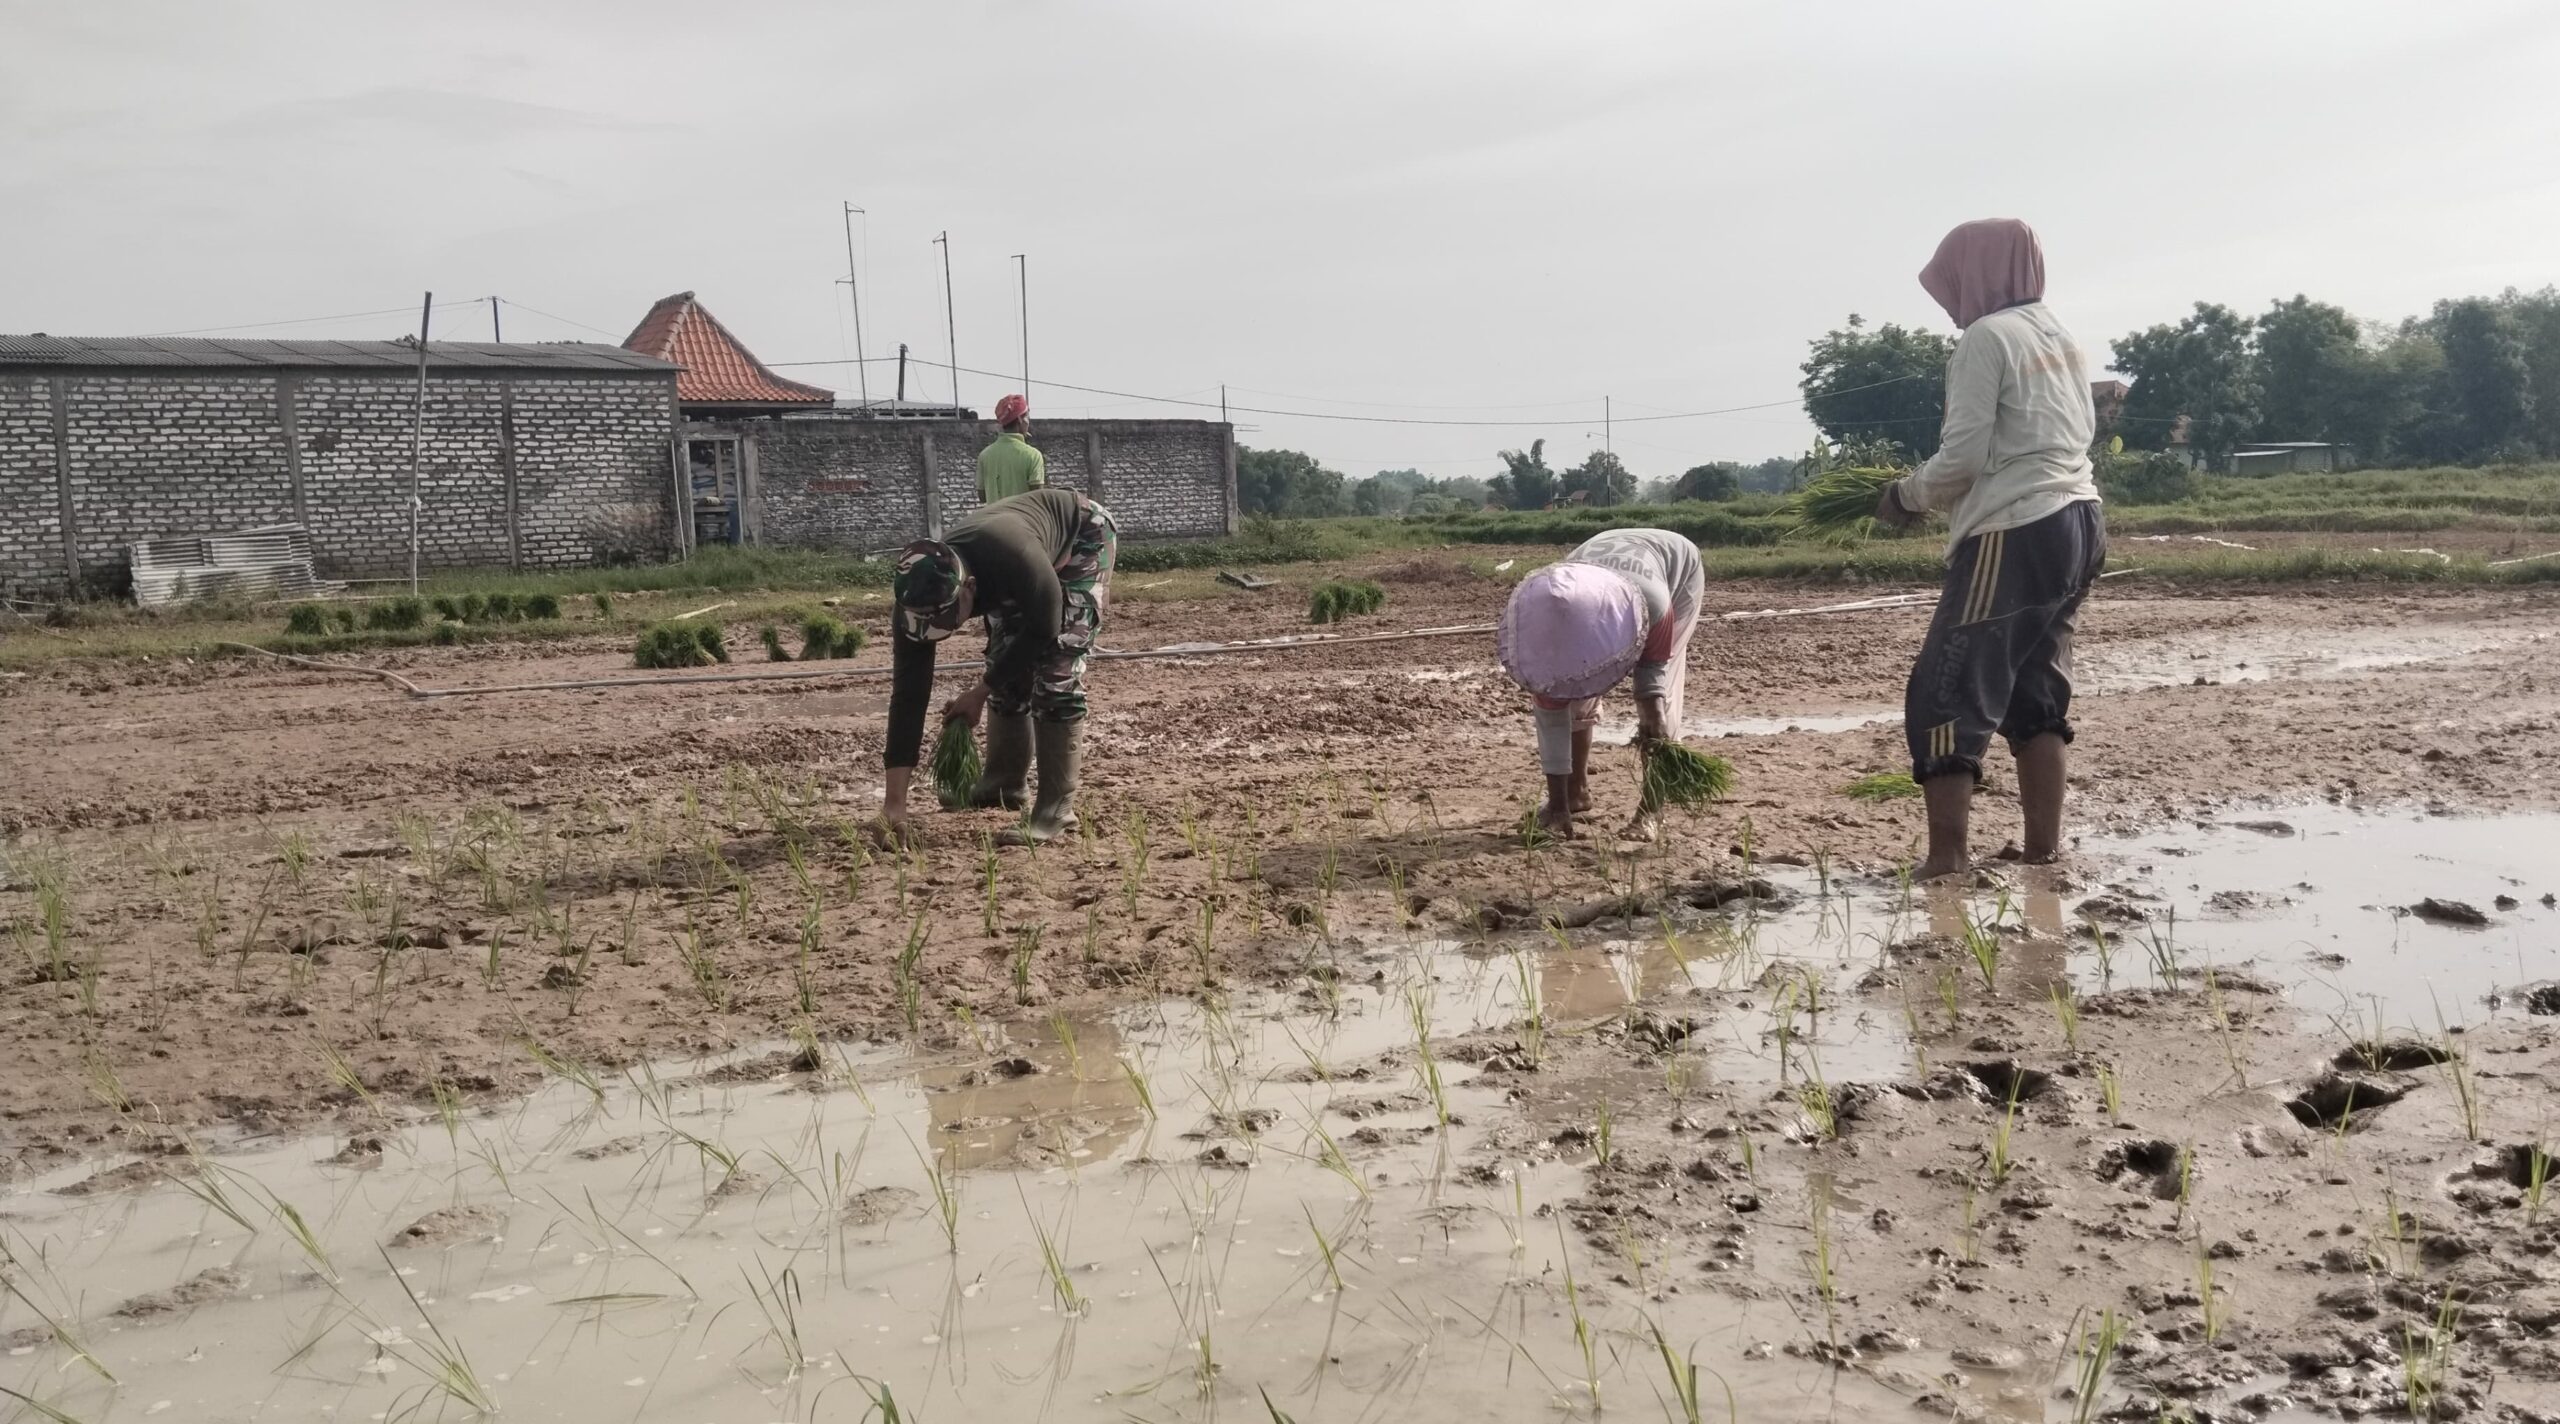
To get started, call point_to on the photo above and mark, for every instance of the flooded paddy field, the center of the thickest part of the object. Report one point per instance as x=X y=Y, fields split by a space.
x=574 y=1055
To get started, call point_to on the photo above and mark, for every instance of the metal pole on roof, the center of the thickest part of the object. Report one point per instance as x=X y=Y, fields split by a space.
x=853 y=285
x=418 y=437
x=494 y=334
x=950 y=323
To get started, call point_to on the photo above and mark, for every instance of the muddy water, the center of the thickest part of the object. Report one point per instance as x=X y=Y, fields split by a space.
x=731 y=1240
x=2323 y=901
x=2141 y=664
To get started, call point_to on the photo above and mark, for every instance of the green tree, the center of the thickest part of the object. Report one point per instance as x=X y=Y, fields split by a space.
x=2487 y=378
x=1719 y=481
x=2314 y=372
x=1602 y=478
x=1890 y=382
x=1775 y=475
x=2537 y=322
x=1526 y=482
x=2201 y=368
x=1288 y=484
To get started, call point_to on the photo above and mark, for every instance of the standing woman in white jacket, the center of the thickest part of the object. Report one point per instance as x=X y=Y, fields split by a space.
x=2029 y=537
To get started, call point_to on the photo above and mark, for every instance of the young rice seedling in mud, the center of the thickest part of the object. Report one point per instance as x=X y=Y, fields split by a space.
x=2105 y=948
x=2066 y=1011
x=1533 y=1013
x=2097 y=1358
x=1602 y=1130
x=905 y=974
x=1951 y=998
x=1997 y=1157
x=1586 y=1337
x=2426 y=1357
x=1824 y=1268
x=1685 y=1405
x=1053 y=1262
x=946 y=1195
x=1982 y=942
x=2212 y=1315
x=777 y=1298
x=1025 y=956
x=2222 y=1026
x=1425 y=1062
x=2111 y=1093
x=2537 y=1178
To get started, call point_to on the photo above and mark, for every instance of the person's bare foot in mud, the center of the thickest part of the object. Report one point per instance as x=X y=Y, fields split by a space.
x=1935 y=868
x=1556 y=821
x=1579 y=802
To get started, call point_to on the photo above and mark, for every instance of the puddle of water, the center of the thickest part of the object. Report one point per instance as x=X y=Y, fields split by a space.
x=2318 y=899
x=2171 y=662
x=722 y=1240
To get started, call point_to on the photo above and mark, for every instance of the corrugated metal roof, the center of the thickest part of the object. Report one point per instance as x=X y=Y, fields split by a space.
x=164 y=352
x=269 y=562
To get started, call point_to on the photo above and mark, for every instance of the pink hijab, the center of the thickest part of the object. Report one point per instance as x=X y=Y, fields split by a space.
x=1984 y=266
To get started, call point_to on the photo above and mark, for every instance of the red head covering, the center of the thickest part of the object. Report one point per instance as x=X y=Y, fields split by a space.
x=1985 y=266
x=1011 y=409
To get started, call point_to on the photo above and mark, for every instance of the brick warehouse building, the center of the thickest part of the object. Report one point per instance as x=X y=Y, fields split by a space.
x=536 y=456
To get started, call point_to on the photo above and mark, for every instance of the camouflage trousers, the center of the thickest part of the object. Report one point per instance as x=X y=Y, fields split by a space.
x=1053 y=689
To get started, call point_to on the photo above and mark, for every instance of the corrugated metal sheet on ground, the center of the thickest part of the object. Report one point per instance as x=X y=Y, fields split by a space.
x=270 y=562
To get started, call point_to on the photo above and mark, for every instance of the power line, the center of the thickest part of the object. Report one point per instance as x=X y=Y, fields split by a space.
x=565 y=321
x=1390 y=419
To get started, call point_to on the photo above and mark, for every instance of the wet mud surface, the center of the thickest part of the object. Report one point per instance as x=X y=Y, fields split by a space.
x=567 y=1024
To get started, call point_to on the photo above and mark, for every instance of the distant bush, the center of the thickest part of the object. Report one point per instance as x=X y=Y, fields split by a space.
x=2145 y=478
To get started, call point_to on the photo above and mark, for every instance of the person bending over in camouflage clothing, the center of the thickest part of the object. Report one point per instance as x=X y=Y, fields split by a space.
x=1038 y=568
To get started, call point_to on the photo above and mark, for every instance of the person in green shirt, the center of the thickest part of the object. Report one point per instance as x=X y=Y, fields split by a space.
x=1011 y=466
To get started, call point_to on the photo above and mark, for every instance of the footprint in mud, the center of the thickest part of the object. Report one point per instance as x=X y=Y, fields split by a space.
x=2154 y=1163
x=202 y=1288
x=451 y=1225
x=2007 y=1078
x=874 y=1205
x=2398 y=1055
x=2344 y=1097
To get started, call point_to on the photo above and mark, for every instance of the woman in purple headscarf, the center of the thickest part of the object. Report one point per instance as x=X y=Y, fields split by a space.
x=2028 y=538
x=1625 y=602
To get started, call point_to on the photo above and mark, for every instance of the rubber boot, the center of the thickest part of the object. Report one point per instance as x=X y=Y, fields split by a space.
x=1005 y=779
x=1061 y=757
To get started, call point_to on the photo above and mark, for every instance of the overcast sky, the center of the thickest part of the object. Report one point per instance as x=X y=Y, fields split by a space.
x=1477 y=212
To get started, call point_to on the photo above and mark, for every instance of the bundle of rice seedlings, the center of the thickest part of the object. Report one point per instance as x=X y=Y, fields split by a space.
x=308 y=619
x=955 y=764
x=342 y=619
x=823 y=636
x=1676 y=776
x=447 y=607
x=1840 y=503
x=473 y=607
x=1337 y=599
x=604 y=605
x=396 y=613
x=447 y=631
x=540 y=605
x=679 y=645
x=773 y=649
x=498 y=607
x=1881 y=786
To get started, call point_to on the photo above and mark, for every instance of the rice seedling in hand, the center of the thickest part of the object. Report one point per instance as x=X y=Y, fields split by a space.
x=956 y=764
x=1676 y=775
x=1840 y=504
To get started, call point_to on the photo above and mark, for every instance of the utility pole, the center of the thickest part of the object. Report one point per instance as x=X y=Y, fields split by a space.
x=851 y=284
x=1222 y=403
x=1608 y=437
x=1022 y=276
x=418 y=437
x=493 y=321
x=902 y=377
x=950 y=323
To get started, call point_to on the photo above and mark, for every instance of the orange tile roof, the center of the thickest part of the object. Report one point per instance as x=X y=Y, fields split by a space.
x=718 y=368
